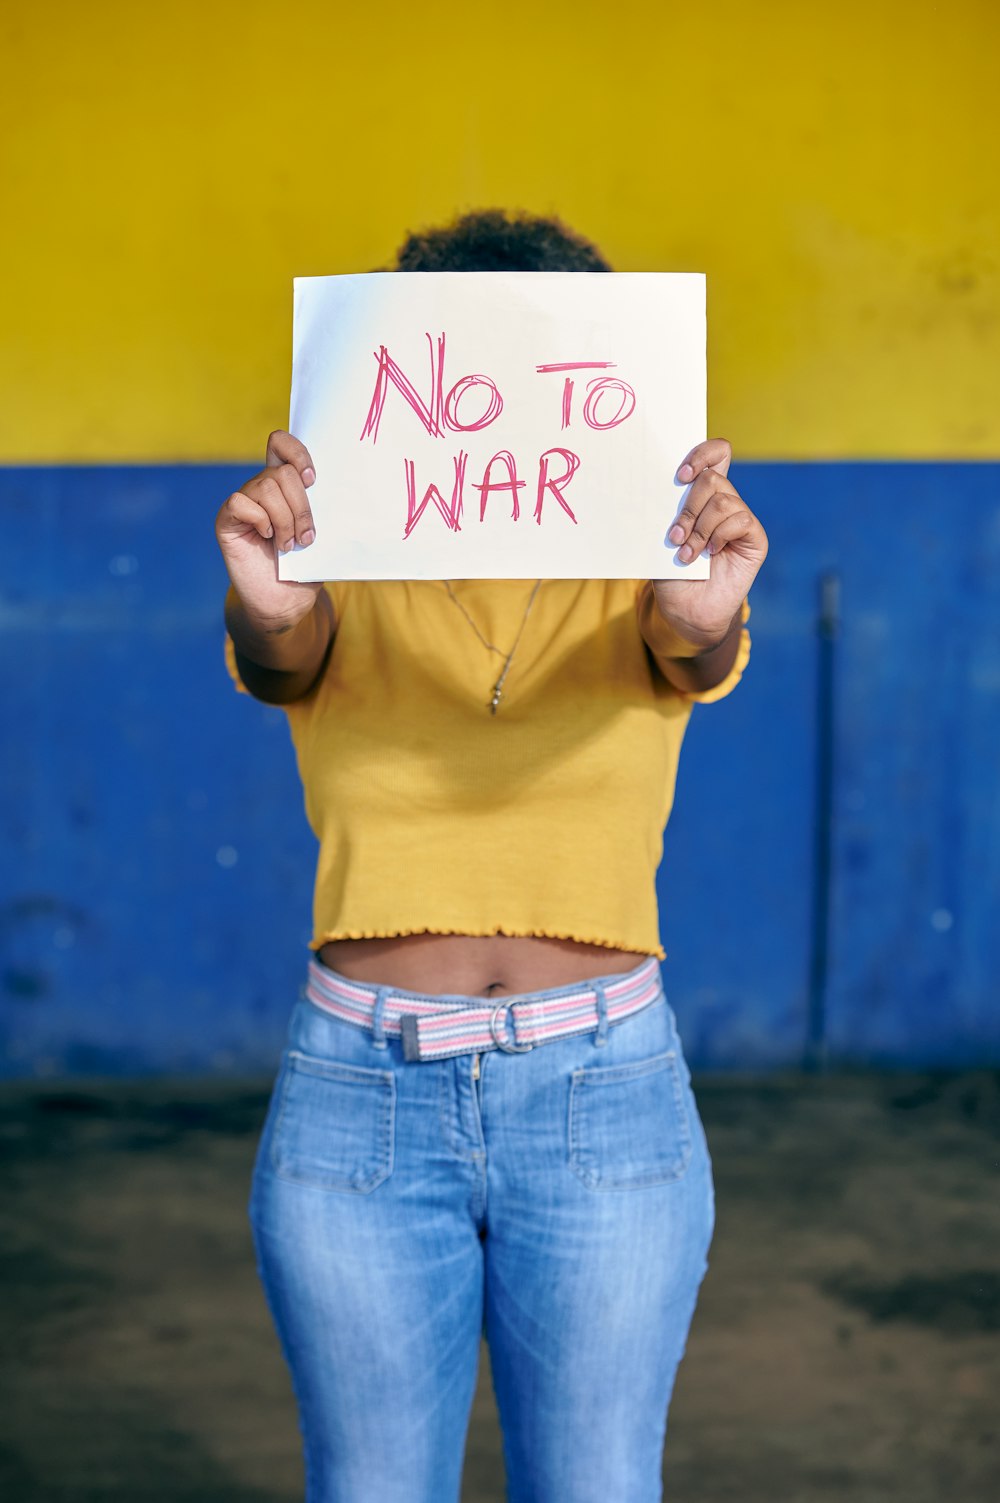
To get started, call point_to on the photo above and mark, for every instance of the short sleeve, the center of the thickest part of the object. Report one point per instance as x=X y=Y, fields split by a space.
x=234 y=672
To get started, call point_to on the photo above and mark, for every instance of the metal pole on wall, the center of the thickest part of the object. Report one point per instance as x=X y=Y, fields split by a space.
x=827 y=631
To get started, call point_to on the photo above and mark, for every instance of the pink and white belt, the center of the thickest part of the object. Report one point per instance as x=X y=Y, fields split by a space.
x=436 y=1027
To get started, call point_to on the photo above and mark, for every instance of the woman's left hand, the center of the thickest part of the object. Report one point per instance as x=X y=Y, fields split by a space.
x=714 y=519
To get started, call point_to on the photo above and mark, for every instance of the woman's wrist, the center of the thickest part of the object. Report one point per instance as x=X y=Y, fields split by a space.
x=669 y=641
x=284 y=643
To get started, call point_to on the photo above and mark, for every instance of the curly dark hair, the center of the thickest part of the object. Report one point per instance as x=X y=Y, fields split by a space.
x=492 y=240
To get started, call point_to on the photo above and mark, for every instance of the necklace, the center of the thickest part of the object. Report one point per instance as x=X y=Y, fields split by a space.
x=498 y=686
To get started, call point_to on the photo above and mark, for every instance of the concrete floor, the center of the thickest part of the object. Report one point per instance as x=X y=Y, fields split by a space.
x=846 y=1344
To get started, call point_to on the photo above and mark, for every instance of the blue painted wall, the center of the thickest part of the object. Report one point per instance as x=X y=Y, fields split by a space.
x=156 y=869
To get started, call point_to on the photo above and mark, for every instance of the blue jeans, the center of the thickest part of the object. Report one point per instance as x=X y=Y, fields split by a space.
x=561 y=1204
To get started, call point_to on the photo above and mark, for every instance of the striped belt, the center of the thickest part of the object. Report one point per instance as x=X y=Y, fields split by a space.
x=436 y=1027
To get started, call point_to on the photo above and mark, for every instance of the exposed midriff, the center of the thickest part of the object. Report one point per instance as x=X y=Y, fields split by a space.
x=473 y=965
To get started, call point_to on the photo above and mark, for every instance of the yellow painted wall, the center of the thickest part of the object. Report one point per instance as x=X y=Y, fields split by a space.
x=166 y=171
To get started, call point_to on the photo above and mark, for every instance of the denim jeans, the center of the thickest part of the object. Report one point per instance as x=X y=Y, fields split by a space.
x=561 y=1204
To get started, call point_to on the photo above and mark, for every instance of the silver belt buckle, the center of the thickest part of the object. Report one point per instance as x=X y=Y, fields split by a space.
x=501 y=1043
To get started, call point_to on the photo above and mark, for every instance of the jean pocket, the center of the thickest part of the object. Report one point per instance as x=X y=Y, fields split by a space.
x=334 y=1127
x=629 y=1124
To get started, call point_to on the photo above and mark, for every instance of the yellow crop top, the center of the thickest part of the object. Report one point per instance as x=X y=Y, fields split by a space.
x=433 y=814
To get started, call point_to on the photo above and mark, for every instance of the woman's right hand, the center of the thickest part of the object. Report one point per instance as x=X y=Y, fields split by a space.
x=263 y=518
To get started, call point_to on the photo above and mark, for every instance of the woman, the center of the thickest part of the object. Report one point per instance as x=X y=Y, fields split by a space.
x=483 y=1121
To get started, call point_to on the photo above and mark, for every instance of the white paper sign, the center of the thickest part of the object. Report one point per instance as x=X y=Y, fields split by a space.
x=492 y=425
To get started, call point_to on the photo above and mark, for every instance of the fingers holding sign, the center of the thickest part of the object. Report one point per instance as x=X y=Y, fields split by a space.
x=716 y=522
x=268 y=515
x=715 y=454
x=714 y=516
x=274 y=501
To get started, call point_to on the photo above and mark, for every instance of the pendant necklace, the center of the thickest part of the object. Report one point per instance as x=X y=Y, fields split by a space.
x=509 y=658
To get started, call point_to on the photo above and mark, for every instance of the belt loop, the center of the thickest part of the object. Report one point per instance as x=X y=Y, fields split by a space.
x=601 y=1037
x=378 y=1024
